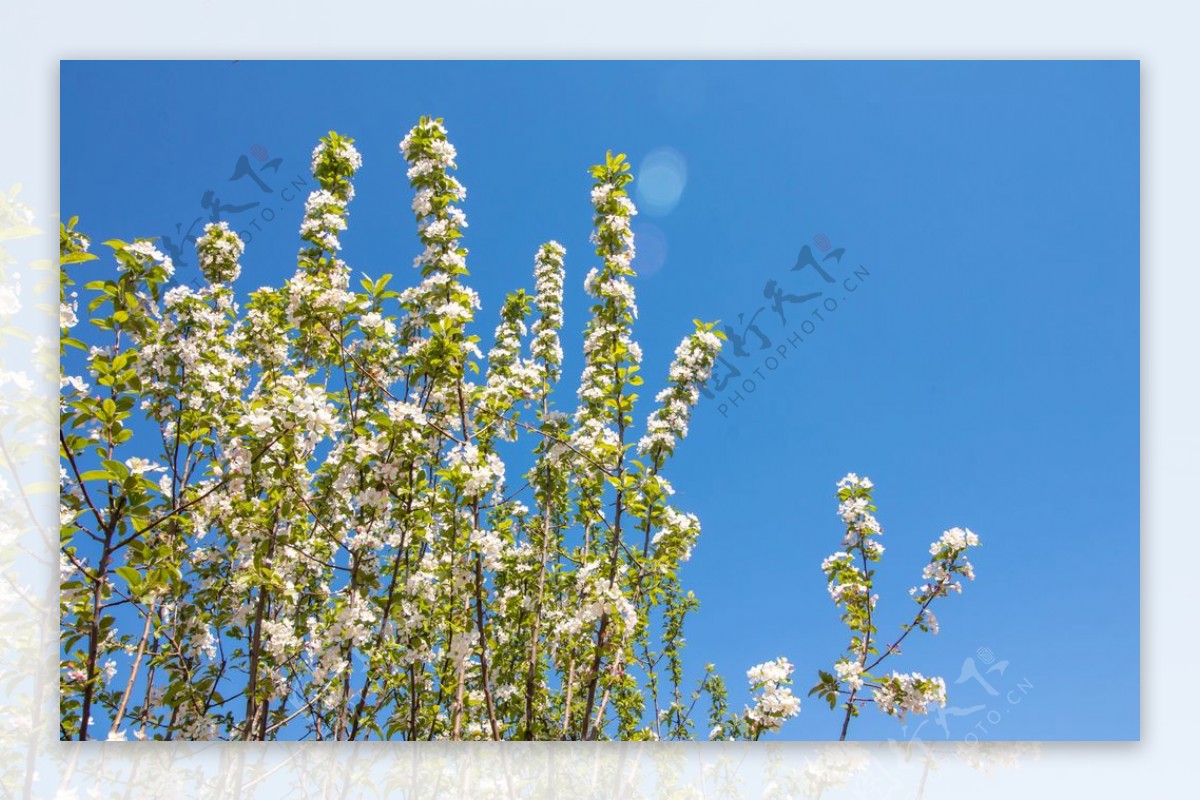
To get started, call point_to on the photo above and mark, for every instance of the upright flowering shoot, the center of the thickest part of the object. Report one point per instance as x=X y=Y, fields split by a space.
x=850 y=580
x=548 y=276
x=440 y=306
x=192 y=375
x=612 y=357
x=633 y=541
x=602 y=420
x=318 y=294
x=219 y=250
x=510 y=378
x=694 y=360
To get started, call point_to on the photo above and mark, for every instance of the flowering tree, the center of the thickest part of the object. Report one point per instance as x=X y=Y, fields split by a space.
x=328 y=542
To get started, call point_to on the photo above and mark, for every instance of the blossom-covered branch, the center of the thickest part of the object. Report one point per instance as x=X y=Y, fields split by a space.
x=850 y=579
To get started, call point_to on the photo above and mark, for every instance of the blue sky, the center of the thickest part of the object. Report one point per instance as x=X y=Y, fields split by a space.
x=984 y=371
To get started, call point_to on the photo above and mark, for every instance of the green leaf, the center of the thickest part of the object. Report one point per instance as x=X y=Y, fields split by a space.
x=118 y=469
x=130 y=575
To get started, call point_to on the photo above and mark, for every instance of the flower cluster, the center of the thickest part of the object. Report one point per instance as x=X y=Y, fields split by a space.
x=474 y=472
x=318 y=295
x=334 y=161
x=440 y=222
x=955 y=539
x=613 y=236
x=676 y=537
x=189 y=361
x=856 y=509
x=597 y=597
x=68 y=315
x=510 y=377
x=612 y=357
x=427 y=150
x=324 y=219
x=694 y=359
x=847 y=573
x=292 y=406
x=774 y=702
x=262 y=328
x=850 y=672
x=948 y=562
x=147 y=257
x=548 y=277
x=219 y=250
x=901 y=693
x=440 y=306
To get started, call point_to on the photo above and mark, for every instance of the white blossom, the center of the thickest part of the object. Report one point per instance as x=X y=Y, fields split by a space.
x=774 y=702
x=850 y=672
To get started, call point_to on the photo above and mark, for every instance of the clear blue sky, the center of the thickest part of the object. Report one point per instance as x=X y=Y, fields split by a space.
x=983 y=373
